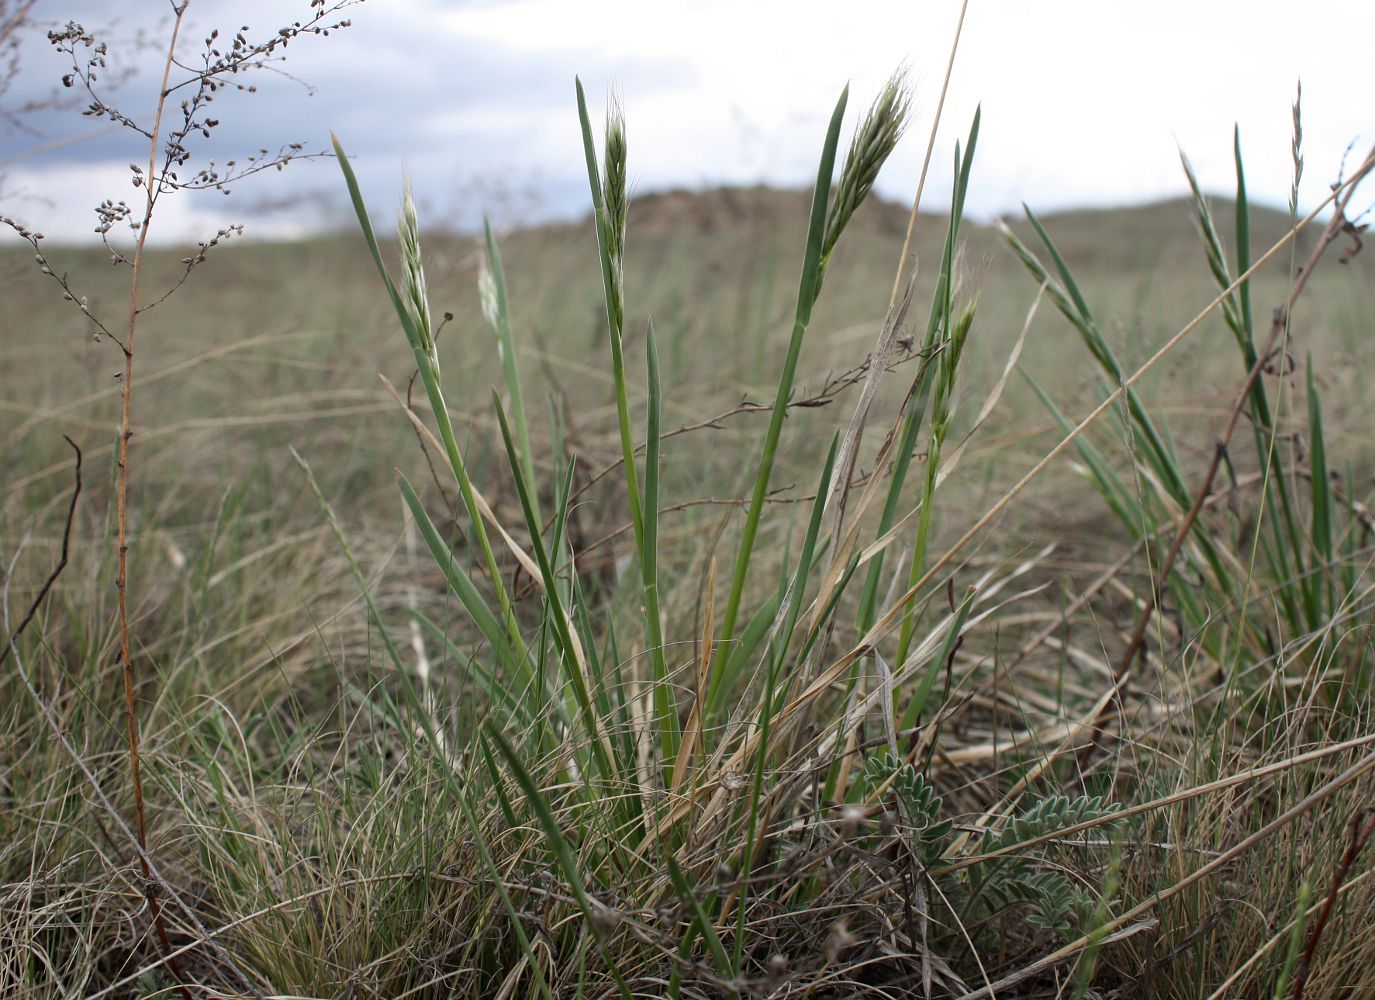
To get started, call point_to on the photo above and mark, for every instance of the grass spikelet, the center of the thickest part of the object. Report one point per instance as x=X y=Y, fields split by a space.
x=614 y=201
x=874 y=139
x=414 y=295
x=1296 y=148
x=613 y=179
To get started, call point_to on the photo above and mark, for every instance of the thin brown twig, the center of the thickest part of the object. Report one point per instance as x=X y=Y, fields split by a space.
x=833 y=387
x=1359 y=835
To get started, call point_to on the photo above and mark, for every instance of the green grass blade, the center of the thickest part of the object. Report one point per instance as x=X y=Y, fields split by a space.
x=360 y=209
x=613 y=291
x=1283 y=546
x=558 y=537
x=916 y=705
x=746 y=645
x=609 y=201
x=1104 y=476
x=459 y=581
x=807 y=557
x=427 y=364
x=1322 y=499
x=1212 y=245
x=806 y=299
x=572 y=655
x=1157 y=451
x=563 y=853
x=724 y=967
x=778 y=657
x=920 y=392
x=508 y=810
x=1243 y=235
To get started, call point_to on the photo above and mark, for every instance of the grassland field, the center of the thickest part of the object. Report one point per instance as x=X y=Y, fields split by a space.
x=272 y=771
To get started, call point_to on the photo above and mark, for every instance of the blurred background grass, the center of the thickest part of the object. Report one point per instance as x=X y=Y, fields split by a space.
x=277 y=343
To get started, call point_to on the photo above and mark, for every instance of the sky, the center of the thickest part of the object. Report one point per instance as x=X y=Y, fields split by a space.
x=1084 y=102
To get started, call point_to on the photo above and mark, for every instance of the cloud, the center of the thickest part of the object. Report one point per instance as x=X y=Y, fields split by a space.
x=399 y=88
x=60 y=202
x=1084 y=102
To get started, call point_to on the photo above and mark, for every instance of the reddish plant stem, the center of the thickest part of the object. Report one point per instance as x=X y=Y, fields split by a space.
x=1360 y=833
x=150 y=884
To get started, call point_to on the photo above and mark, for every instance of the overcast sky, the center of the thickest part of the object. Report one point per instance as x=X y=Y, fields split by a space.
x=1085 y=102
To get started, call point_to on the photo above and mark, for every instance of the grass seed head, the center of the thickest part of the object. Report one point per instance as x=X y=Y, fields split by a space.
x=1296 y=148
x=613 y=180
x=614 y=202
x=874 y=140
x=413 y=292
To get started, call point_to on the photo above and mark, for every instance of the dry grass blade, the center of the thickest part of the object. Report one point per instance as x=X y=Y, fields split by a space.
x=926 y=160
x=692 y=732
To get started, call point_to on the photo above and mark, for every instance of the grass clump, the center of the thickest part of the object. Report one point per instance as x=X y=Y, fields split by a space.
x=698 y=707
x=645 y=766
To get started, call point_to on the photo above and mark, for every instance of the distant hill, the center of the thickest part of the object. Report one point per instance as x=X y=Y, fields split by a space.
x=1124 y=234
